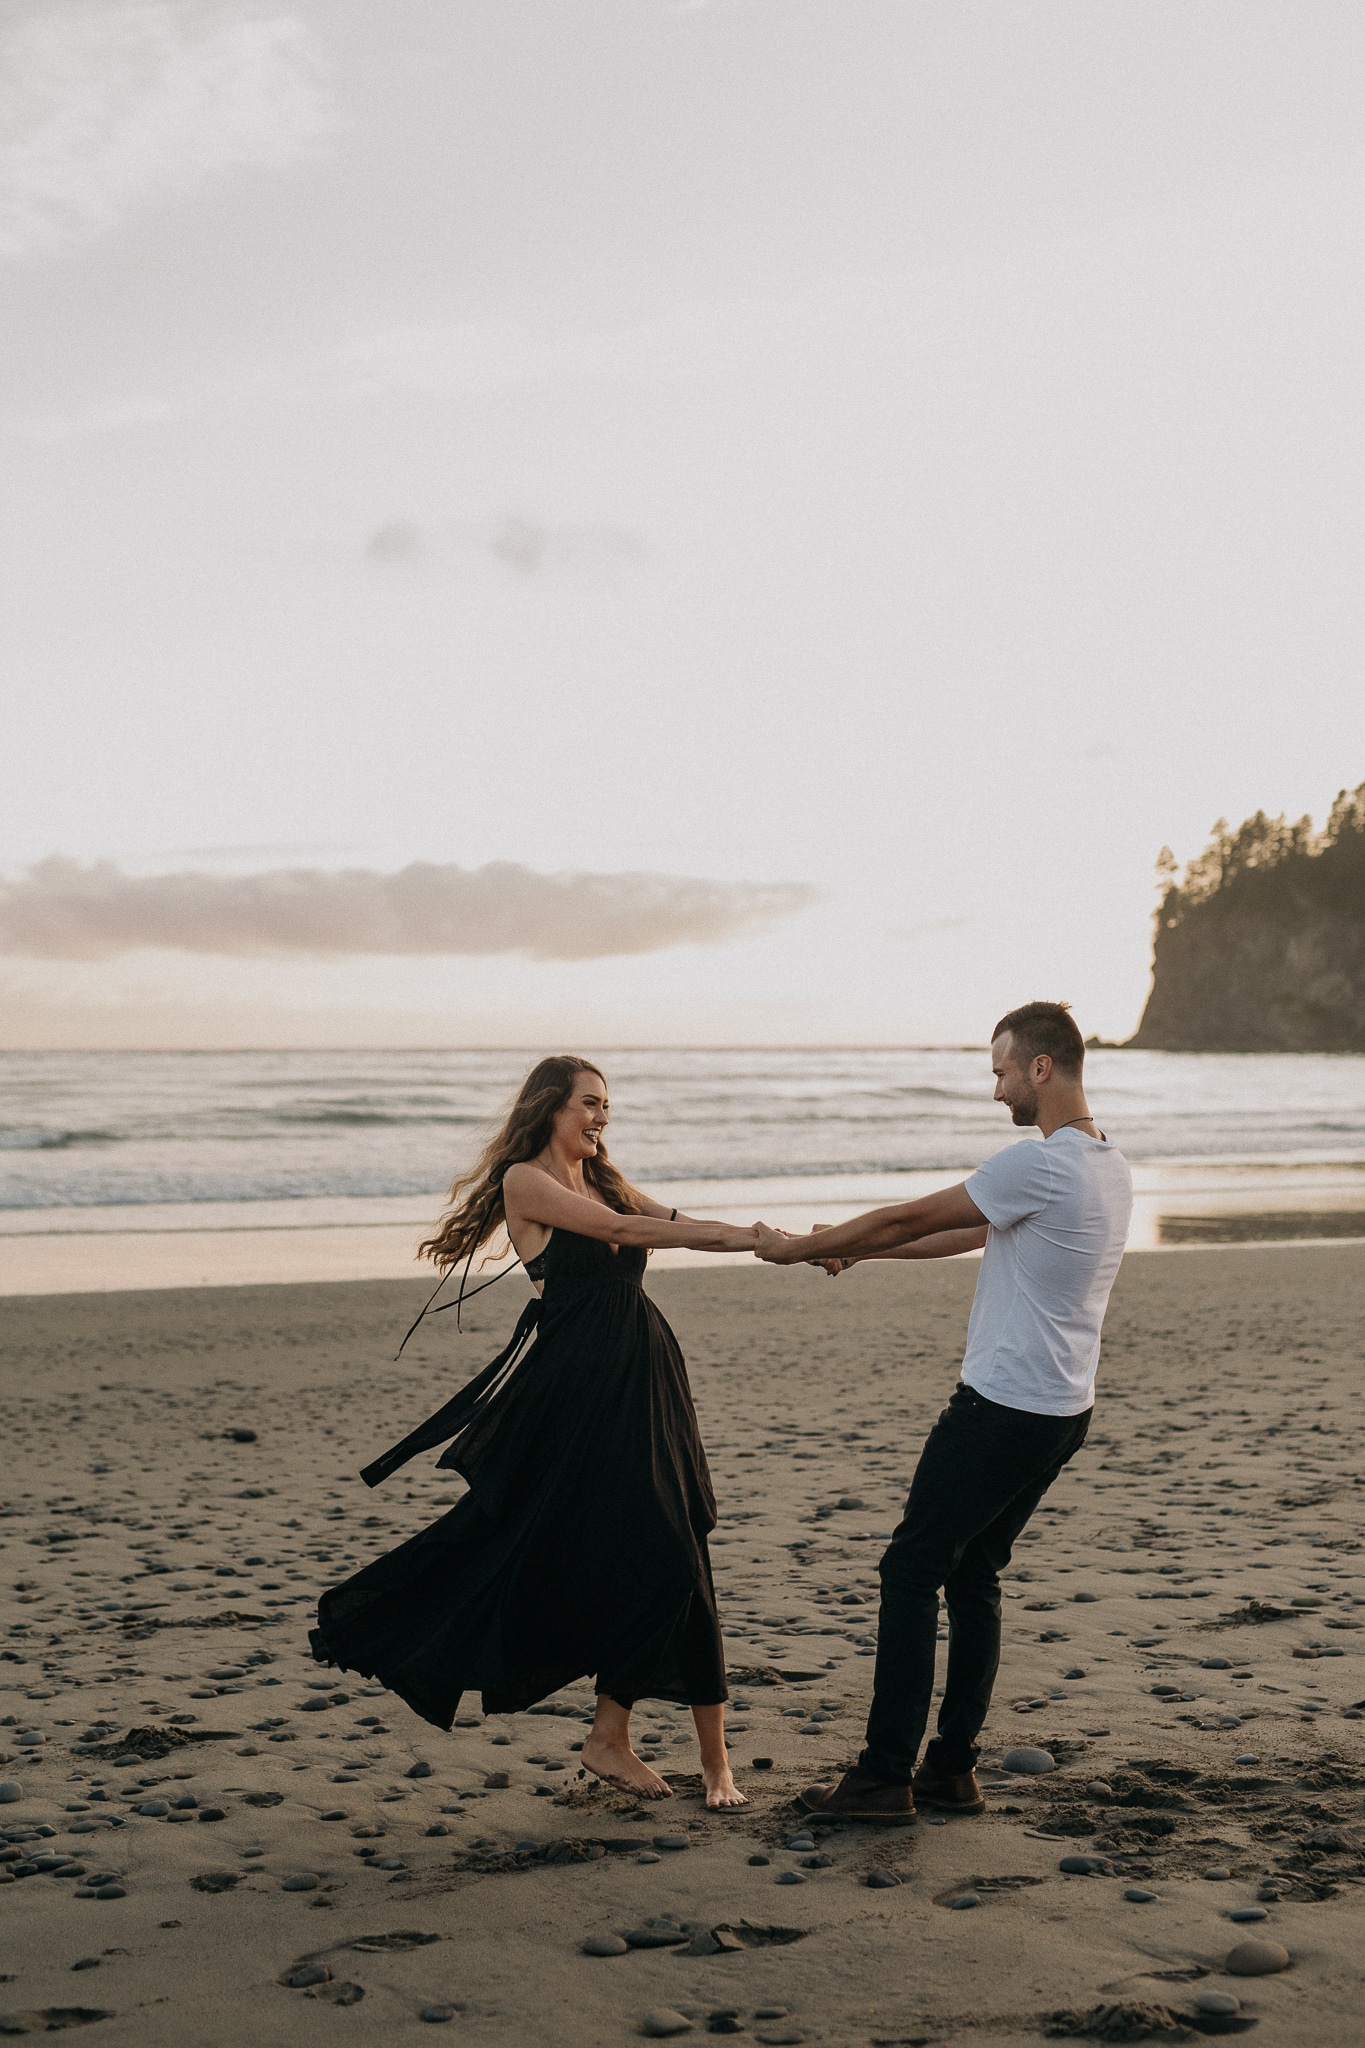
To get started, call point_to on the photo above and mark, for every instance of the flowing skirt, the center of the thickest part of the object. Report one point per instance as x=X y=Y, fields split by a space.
x=580 y=1548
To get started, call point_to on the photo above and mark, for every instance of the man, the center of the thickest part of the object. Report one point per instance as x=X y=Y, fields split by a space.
x=1053 y=1219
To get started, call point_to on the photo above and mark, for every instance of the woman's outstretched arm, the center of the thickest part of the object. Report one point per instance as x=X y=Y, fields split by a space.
x=531 y=1195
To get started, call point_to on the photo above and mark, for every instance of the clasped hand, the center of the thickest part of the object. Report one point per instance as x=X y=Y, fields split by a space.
x=771 y=1245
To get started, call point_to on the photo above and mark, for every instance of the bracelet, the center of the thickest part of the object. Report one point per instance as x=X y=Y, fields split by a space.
x=674 y=1217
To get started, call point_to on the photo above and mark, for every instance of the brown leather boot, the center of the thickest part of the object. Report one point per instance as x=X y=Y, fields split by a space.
x=958 y=1793
x=857 y=1796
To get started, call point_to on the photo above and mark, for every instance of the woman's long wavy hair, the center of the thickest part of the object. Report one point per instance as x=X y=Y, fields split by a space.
x=476 y=1210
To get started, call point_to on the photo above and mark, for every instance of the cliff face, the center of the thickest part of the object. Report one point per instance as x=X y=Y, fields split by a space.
x=1255 y=984
x=1261 y=946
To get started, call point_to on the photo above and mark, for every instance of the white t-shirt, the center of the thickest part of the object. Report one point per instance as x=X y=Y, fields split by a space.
x=1058 y=1211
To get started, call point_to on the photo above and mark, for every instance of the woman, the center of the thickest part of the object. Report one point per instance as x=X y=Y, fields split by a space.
x=581 y=1544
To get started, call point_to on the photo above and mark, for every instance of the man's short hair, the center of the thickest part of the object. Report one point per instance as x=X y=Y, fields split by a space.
x=1038 y=1029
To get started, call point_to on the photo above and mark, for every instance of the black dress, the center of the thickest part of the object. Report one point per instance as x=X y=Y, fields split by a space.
x=580 y=1547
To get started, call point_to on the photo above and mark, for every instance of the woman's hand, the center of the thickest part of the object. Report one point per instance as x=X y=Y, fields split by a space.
x=738 y=1237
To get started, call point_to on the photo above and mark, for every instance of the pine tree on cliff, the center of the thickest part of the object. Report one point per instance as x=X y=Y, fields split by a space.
x=1260 y=945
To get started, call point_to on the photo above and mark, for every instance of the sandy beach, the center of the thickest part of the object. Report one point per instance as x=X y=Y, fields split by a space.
x=232 y=1845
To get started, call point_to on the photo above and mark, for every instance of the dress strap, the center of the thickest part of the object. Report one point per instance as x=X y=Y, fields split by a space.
x=466 y=1293
x=461 y=1410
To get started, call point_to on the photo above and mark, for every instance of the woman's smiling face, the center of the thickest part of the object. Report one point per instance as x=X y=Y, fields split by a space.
x=583 y=1119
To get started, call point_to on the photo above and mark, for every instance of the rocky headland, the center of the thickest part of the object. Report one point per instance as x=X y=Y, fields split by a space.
x=1260 y=945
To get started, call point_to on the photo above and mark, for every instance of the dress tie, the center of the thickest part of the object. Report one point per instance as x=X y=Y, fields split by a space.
x=464 y=1407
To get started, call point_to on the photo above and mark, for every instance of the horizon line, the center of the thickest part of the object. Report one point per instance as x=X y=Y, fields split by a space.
x=786 y=1045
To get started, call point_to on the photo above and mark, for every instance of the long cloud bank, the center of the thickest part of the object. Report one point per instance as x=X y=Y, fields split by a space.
x=67 y=910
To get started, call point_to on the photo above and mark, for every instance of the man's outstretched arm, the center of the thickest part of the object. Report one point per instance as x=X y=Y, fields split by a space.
x=877 y=1231
x=940 y=1244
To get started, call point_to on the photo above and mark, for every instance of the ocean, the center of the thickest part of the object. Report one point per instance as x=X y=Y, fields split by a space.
x=140 y=1145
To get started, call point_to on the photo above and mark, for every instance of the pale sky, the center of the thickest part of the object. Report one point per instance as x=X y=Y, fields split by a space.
x=907 y=454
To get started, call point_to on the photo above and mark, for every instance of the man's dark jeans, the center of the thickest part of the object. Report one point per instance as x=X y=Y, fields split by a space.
x=982 y=1472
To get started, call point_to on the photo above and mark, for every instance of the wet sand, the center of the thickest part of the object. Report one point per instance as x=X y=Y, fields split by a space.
x=160 y=1574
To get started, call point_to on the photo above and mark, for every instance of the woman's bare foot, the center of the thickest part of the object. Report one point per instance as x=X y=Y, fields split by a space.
x=721 y=1789
x=617 y=1764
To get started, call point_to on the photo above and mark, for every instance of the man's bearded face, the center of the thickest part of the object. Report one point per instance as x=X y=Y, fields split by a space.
x=1012 y=1084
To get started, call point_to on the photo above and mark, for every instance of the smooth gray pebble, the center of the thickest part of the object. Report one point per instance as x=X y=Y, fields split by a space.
x=1027 y=1762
